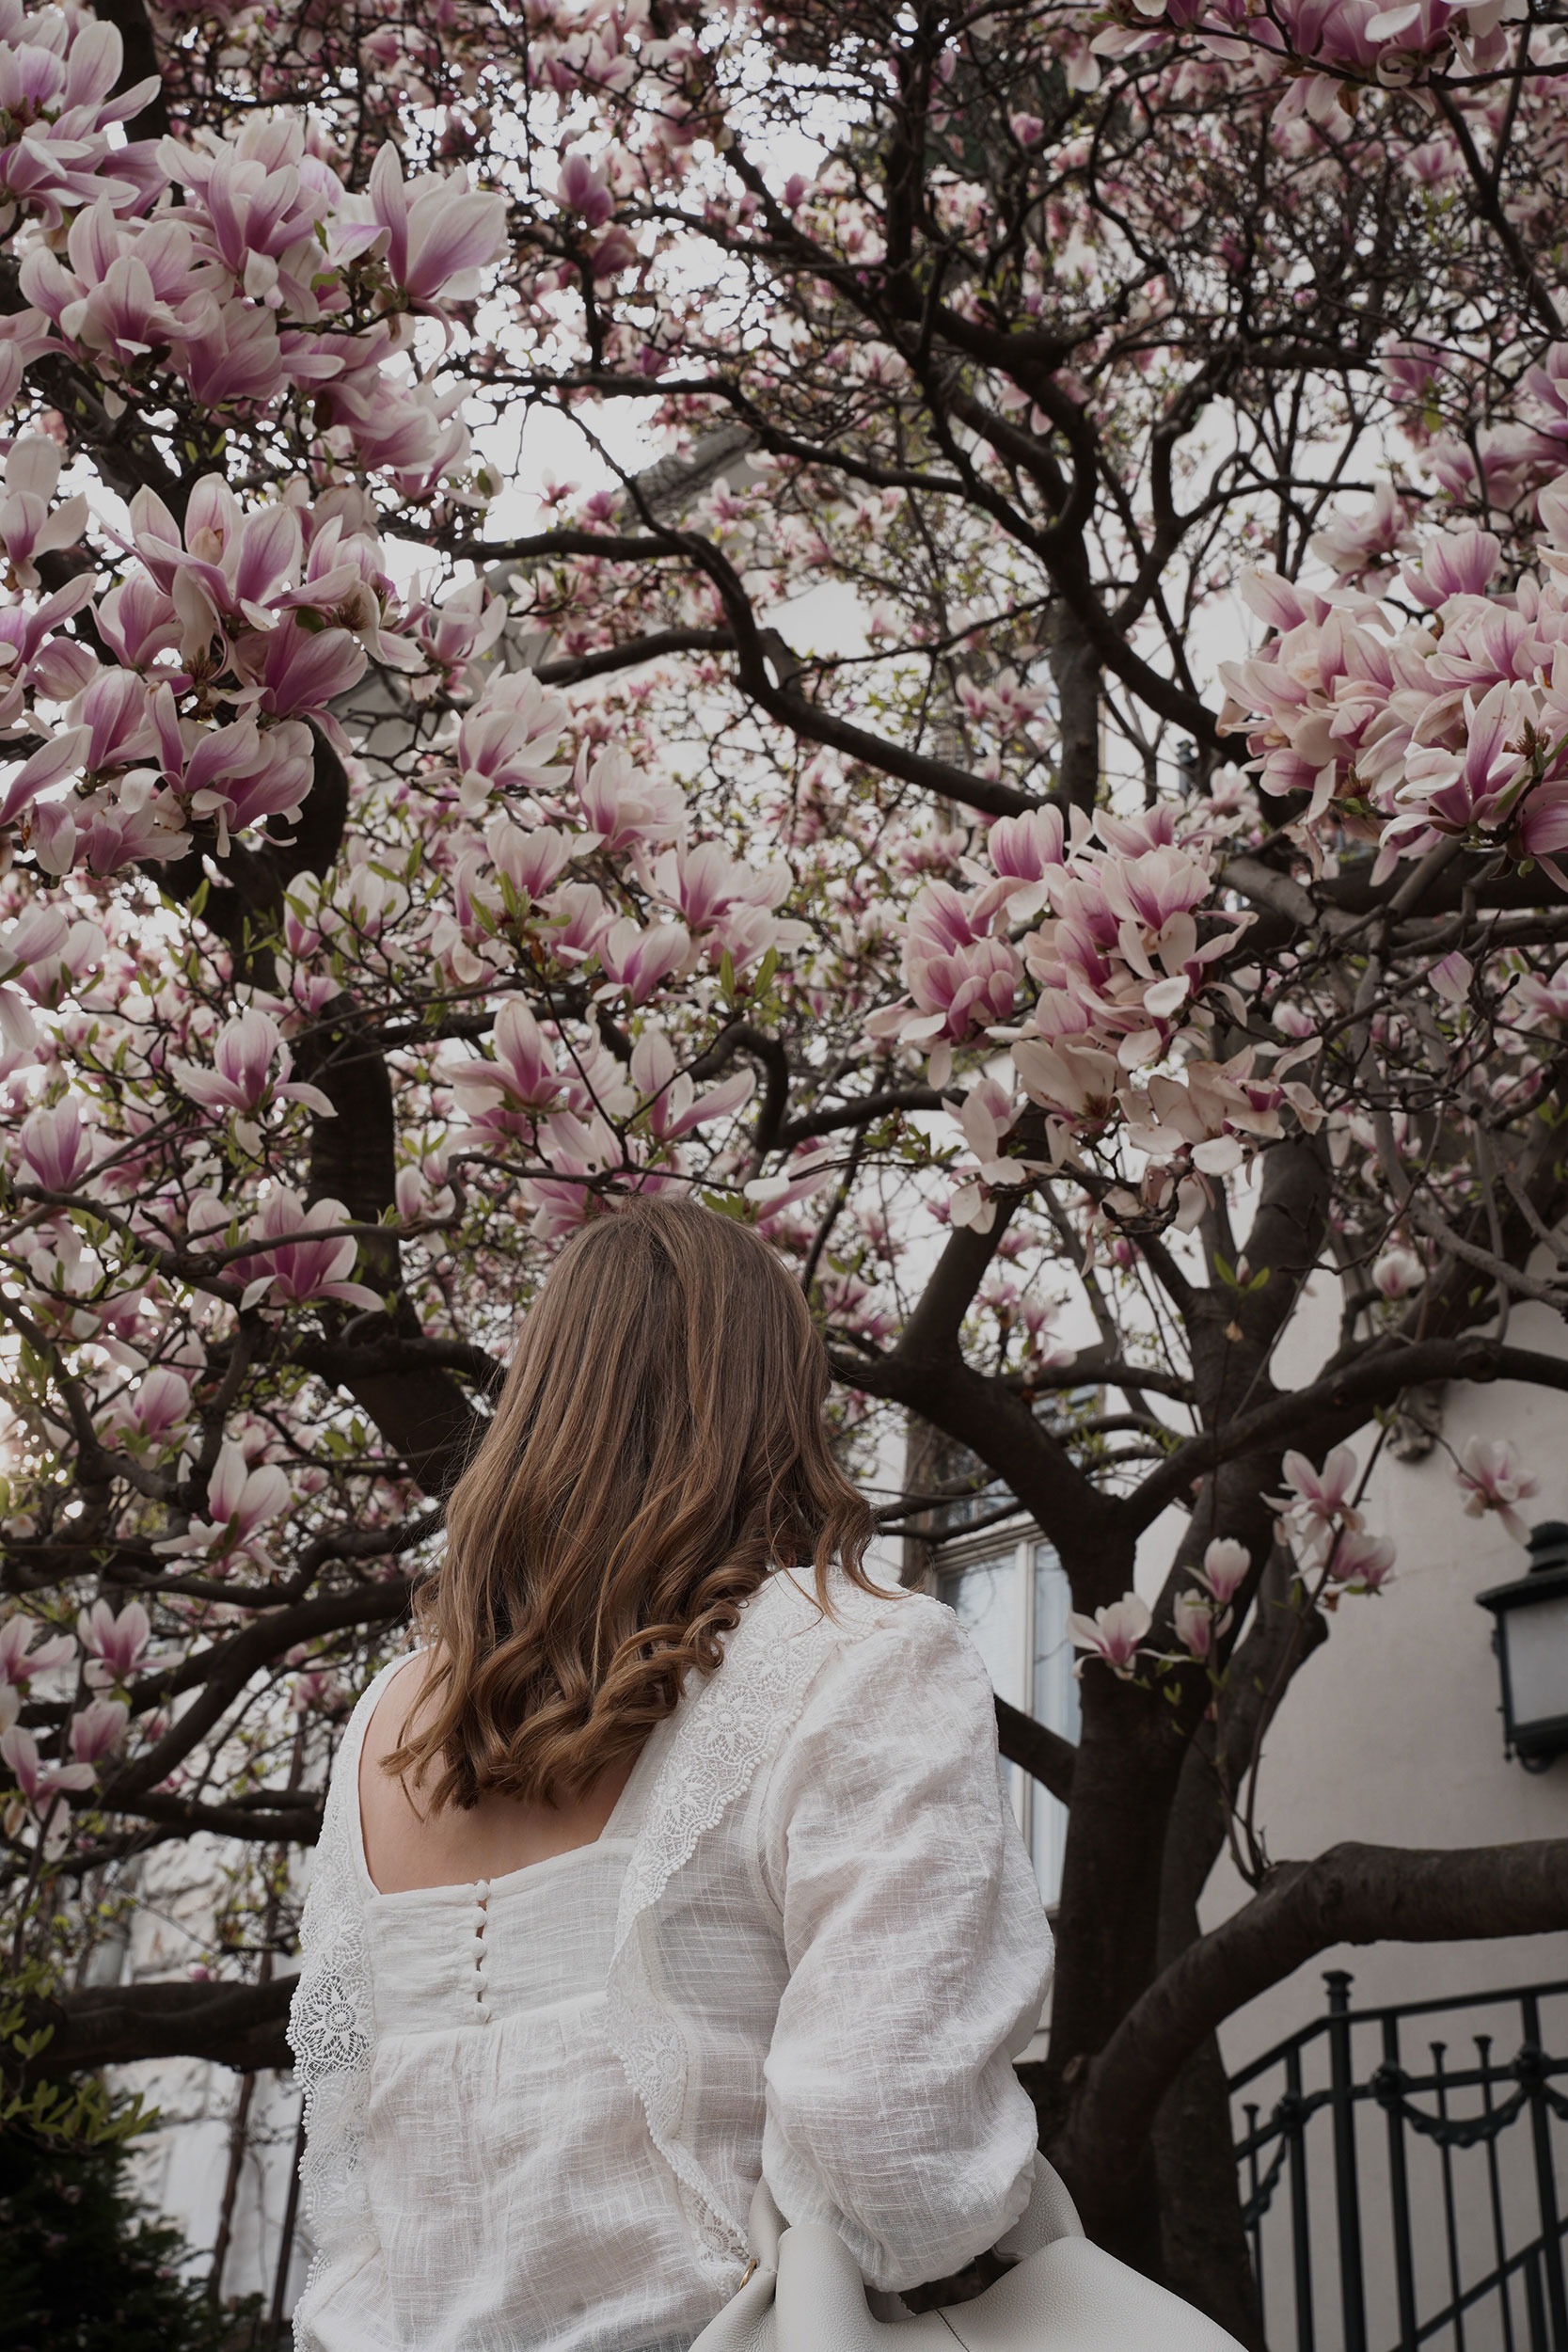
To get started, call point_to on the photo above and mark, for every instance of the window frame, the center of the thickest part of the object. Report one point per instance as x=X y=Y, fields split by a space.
x=1019 y=1537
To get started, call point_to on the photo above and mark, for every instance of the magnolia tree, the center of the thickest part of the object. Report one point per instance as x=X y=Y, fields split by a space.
x=1138 y=887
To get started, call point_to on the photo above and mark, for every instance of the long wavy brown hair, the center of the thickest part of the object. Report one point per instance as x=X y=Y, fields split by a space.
x=658 y=1448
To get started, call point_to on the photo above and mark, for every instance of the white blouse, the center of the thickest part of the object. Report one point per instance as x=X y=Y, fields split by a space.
x=808 y=1945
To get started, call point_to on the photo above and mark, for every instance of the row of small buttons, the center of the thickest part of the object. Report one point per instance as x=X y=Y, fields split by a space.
x=482 y=1920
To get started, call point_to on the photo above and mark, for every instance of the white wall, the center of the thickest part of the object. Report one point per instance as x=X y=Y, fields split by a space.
x=182 y=2165
x=1392 y=1734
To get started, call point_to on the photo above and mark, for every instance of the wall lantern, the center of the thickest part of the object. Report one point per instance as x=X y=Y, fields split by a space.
x=1530 y=1638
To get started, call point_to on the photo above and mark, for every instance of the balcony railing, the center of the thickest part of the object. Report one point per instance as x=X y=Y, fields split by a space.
x=1399 y=2175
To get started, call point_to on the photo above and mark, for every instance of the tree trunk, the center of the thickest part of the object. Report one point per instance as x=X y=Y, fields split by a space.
x=1124 y=1777
x=1202 y=2244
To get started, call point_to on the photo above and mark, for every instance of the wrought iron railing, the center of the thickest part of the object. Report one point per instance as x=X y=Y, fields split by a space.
x=1397 y=2195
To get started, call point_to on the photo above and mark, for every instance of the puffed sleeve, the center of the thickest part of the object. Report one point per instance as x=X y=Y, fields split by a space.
x=918 y=1952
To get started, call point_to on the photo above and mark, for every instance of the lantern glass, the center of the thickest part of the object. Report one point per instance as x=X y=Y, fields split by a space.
x=1537 y=1639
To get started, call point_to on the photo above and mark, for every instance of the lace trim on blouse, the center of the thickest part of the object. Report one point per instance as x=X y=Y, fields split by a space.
x=332 y=2019
x=736 y=1718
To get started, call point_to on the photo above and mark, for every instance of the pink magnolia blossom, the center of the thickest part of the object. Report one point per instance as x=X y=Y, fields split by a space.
x=637 y=959
x=1201 y=1622
x=113 y=1646
x=441 y=234
x=49 y=764
x=1451 y=790
x=240 y=1503
x=28 y=526
x=959 y=977
x=303 y=670
x=236 y=360
x=238 y=562
x=56 y=1149
x=137 y=621
x=1538 y=999
x=1079 y=1083
x=38 y=935
x=988 y=1116
x=115 y=712
x=162 y=1403
x=1319 y=1501
x=529 y=857
x=505 y=742
x=47 y=978
x=1362 y=1563
x=458 y=630
x=582 y=189
x=1355 y=542
x=523 y=1076
x=296 y=1266
x=1113 y=1633
x=250 y=1071
x=579 y=920
x=723 y=896
x=625 y=810
x=236 y=774
x=1021 y=852
x=98 y=1728
x=127 y=287
x=804 y=1173
x=1451 y=975
x=1491 y=1477
x=1454 y=564
x=673 y=1104
x=18 y=1662
x=954 y=972
x=1398 y=1273
x=1226 y=1565
x=41 y=1782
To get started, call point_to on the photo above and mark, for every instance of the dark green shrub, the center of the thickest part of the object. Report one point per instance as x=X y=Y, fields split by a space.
x=84 y=2268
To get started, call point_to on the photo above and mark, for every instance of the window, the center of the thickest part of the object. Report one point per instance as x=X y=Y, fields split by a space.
x=1012 y=1599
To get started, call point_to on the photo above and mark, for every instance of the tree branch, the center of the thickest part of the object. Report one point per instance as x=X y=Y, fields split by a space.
x=1351 y=1895
x=1338 y=1403
x=1043 y=1754
x=635 y=650
x=233 y=2024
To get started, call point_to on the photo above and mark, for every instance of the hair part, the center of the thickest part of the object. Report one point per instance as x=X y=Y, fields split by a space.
x=657 y=1449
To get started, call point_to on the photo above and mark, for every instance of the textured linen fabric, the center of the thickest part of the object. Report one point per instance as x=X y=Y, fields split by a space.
x=808 y=1945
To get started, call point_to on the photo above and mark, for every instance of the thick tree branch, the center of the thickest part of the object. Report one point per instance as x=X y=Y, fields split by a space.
x=1331 y=1408
x=233 y=2024
x=1351 y=1895
x=1043 y=1754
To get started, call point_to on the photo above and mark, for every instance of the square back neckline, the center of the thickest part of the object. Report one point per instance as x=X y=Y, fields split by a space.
x=611 y=1837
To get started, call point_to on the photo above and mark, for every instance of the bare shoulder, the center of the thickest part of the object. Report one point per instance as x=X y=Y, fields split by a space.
x=394 y=1716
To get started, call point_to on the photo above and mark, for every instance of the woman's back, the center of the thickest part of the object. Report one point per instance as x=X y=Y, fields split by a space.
x=510 y=2192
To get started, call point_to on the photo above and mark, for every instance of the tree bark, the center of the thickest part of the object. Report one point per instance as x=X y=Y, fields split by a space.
x=1076 y=671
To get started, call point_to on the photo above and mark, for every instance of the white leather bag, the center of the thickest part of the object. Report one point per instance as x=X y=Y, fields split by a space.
x=805 y=2294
